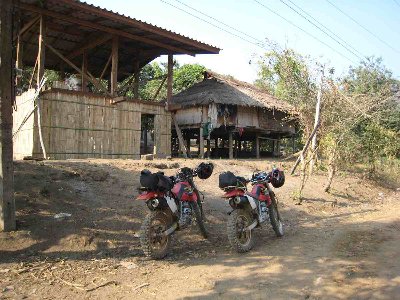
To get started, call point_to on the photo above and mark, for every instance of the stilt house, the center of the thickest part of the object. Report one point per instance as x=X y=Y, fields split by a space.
x=224 y=117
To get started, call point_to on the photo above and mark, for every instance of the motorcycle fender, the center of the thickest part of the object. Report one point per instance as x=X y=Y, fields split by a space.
x=147 y=196
x=171 y=204
x=252 y=202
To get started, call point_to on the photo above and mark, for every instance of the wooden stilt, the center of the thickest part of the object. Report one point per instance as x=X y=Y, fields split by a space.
x=257 y=146
x=188 y=146
x=208 y=148
x=201 y=142
x=230 y=145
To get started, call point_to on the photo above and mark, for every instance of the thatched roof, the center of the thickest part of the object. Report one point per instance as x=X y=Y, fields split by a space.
x=221 y=89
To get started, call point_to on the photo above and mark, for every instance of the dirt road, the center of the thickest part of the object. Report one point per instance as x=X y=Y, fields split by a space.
x=343 y=245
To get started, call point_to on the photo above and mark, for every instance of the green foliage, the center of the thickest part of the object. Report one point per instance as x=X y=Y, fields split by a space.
x=360 y=119
x=152 y=75
x=286 y=75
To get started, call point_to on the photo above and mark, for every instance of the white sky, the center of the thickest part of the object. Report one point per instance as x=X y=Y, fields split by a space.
x=380 y=17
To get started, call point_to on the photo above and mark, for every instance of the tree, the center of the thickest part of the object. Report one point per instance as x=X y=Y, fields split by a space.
x=360 y=118
x=152 y=75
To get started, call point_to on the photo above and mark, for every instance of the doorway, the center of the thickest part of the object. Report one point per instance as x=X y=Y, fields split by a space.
x=147 y=134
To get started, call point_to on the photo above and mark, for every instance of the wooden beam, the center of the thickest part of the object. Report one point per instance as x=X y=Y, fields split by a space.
x=89 y=77
x=7 y=203
x=99 y=27
x=114 y=66
x=84 y=71
x=159 y=88
x=41 y=49
x=105 y=67
x=180 y=137
x=28 y=26
x=90 y=45
x=141 y=25
x=170 y=77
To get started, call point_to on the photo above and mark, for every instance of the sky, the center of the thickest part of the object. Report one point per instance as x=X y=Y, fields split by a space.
x=239 y=58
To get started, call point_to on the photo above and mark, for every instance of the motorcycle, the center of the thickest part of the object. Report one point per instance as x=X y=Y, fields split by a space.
x=251 y=209
x=174 y=204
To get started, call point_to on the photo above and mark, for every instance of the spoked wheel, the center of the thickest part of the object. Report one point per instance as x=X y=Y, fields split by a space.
x=154 y=243
x=199 y=219
x=274 y=217
x=241 y=240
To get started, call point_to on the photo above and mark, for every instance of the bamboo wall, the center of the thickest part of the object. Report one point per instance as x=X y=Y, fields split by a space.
x=24 y=141
x=84 y=125
x=246 y=117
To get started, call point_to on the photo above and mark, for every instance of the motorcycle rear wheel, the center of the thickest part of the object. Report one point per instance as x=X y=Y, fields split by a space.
x=274 y=217
x=153 y=243
x=242 y=241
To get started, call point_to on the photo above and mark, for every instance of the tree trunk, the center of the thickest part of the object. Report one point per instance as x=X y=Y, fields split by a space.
x=331 y=169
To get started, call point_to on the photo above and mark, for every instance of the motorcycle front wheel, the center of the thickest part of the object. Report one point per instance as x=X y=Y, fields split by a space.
x=154 y=244
x=240 y=239
x=274 y=217
x=199 y=219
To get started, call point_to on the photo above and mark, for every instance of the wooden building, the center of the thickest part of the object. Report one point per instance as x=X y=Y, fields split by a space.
x=103 y=48
x=225 y=117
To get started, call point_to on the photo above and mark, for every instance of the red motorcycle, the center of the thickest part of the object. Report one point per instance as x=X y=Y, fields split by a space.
x=174 y=203
x=251 y=209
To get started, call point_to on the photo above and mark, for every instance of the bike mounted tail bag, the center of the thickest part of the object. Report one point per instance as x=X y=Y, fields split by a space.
x=155 y=181
x=227 y=179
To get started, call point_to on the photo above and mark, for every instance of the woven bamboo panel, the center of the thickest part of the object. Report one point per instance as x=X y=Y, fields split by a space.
x=82 y=125
x=23 y=141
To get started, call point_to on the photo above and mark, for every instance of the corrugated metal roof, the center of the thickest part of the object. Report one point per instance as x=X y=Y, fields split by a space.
x=72 y=24
x=146 y=23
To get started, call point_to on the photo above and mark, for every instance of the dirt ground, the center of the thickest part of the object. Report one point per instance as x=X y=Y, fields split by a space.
x=342 y=245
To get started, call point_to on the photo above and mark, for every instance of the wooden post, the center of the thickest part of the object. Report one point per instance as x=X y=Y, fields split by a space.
x=114 y=66
x=7 y=204
x=201 y=142
x=169 y=77
x=257 y=146
x=230 y=145
x=84 y=71
x=188 y=146
x=136 y=80
x=208 y=148
x=42 y=49
x=278 y=146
